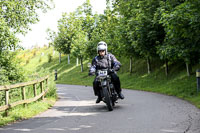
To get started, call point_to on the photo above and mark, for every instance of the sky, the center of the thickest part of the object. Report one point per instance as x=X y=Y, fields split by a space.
x=38 y=35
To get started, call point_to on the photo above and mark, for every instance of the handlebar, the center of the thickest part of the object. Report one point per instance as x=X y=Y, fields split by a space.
x=91 y=73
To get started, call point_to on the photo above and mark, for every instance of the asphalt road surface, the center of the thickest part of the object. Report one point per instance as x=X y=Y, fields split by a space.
x=139 y=112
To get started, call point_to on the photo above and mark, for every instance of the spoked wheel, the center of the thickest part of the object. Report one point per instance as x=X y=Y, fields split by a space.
x=108 y=100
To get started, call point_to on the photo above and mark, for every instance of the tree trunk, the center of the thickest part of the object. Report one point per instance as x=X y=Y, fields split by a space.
x=166 y=67
x=189 y=68
x=59 y=57
x=81 y=64
x=76 y=61
x=131 y=69
x=68 y=58
x=148 y=65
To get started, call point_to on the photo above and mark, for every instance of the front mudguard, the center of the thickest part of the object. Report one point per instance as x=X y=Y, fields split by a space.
x=104 y=83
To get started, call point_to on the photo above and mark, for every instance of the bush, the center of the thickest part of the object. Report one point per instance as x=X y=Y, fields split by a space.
x=4 y=79
x=52 y=88
x=10 y=70
x=51 y=83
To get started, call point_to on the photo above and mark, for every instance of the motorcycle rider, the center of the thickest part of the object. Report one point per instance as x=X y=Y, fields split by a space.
x=105 y=60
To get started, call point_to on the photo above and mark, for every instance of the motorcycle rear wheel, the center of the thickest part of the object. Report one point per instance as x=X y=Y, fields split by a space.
x=107 y=99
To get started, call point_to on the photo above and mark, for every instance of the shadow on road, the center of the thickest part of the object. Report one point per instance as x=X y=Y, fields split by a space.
x=68 y=115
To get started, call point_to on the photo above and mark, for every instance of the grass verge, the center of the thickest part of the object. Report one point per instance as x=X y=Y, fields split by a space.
x=20 y=112
x=30 y=59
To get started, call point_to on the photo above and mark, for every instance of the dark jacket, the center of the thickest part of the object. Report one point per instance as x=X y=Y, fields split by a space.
x=107 y=61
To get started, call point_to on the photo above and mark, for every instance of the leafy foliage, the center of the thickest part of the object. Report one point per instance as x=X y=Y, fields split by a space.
x=182 y=30
x=10 y=71
x=15 y=18
x=163 y=29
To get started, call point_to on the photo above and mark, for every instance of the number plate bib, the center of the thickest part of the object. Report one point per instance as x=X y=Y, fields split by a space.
x=102 y=73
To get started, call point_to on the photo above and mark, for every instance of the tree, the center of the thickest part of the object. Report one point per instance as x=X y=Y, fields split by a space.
x=67 y=27
x=80 y=38
x=74 y=31
x=106 y=29
x=78 y=46
x=96 y=36
x=10 y=70
x=182 y=31
x=88 y=20
x=66 y=31
x=142 y=32
x=16 y=18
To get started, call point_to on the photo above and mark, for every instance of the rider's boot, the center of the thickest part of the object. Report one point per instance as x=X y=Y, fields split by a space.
x=98 y=99
x=120 y=95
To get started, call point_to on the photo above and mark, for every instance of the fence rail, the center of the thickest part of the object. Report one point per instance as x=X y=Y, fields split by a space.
x=22 y=86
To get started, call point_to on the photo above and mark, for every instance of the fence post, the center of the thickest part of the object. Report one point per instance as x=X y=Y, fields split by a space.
x=47 y=83
x=41 y=87
x=7 y=101
x=24 y=94
x=198 y=79
x=56 y=75
x=35 y=91
x=24 y=100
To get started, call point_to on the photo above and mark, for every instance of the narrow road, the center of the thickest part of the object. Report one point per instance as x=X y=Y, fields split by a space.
x=139 y=112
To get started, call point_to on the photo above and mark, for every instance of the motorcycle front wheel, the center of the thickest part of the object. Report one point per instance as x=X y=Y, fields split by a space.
x=107 y=99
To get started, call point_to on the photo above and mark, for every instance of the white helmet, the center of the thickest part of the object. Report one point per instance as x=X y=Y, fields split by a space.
x=102 y=46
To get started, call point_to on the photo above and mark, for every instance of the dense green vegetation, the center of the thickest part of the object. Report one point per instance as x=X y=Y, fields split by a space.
x=15 y=19
x=29 y=60
x=143 y=29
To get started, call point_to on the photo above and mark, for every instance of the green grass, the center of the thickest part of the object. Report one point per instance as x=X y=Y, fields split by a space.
x=176 y=84
x=30 y=62
x=20 y=112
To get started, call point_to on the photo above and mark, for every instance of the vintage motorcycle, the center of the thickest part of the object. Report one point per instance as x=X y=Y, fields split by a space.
x=108 y=93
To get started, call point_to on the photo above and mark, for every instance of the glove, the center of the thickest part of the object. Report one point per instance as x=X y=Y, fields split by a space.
x=116 y=68
x=91 y=73
x=110 y=71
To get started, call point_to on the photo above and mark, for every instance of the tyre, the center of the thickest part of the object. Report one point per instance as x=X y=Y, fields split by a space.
x=113 y=103
x=107 y=99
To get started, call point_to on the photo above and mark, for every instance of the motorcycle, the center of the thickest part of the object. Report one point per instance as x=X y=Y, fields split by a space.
x=108 y=93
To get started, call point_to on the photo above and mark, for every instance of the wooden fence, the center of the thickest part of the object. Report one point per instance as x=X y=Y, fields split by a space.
x=22 y=86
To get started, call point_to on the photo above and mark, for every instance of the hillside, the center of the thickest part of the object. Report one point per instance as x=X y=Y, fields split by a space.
x=176 y=84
